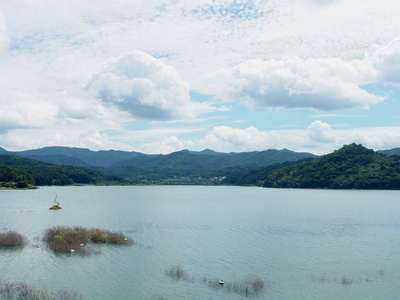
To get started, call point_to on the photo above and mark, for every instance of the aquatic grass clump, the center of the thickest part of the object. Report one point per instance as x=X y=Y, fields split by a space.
x=177 y=272
x=74 y=239
x=109 y=237
x=22 y=291
x=65 y=239
x=117 y=238
x=11 y=239
x=98 y=236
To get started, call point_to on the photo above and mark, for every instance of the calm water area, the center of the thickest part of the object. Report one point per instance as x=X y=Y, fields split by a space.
x=304 y=244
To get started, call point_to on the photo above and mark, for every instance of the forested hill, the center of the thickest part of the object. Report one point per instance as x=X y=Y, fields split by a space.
x=351 y=167
x=40 y=173
x=12 y=178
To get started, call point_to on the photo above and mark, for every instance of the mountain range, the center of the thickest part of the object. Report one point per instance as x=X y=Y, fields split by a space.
x=275 y=168
x=134 y=165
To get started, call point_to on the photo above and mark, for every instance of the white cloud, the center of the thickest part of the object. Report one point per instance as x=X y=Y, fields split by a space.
x=3 y=32
x=318 y=138
x=321 y=132
x=300 y=53
x=324 y=84
x=18 y=110
x=145 y=87
x=386 y=62
x=166 y=145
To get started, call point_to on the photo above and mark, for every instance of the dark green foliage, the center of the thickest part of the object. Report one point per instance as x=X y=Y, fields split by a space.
x=256 y=176
x=351 y=167
x=10 y=178
x=40 y=173
x=3 y=151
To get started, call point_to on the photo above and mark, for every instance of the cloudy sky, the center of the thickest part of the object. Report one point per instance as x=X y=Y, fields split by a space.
x=159 y=76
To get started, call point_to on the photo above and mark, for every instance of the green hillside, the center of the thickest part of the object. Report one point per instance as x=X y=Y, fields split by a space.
x=200 y=164
x=394 y=151
x=257 y=176
x=12 y=178
x=351 y=167
x=48 y=174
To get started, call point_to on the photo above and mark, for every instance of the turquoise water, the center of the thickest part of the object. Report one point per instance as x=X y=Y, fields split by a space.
x=305 y=244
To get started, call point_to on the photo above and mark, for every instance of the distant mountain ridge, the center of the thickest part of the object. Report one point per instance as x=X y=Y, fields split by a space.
x=181 y=163
x=394 y=151
x=77 y=156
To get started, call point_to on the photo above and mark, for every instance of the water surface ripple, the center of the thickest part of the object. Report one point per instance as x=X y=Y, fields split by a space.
x=305 y=244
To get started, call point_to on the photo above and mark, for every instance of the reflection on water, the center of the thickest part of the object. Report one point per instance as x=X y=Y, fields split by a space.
x=303 y=244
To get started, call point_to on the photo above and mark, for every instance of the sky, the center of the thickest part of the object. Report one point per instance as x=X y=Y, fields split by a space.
x=159 y=76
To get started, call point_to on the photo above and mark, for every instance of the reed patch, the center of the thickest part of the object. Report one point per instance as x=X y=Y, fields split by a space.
x=76 y=239
x=11 y=239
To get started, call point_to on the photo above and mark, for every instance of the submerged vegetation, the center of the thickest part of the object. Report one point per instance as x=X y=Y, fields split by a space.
x=346 y=280
x=177 y=272
x=67 y=239
x=11 y=239
x=247 y=287
x=22 y=291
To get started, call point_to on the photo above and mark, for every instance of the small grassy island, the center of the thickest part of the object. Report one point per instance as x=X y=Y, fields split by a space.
x=75 y=239
x=55 y=207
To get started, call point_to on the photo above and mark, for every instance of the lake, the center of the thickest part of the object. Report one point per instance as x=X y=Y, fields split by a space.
x=304 y=244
